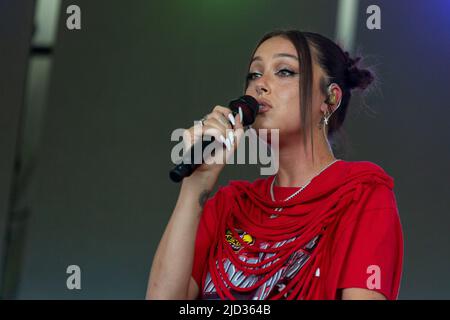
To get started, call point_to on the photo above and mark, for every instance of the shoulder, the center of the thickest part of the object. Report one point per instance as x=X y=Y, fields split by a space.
x=376 y=208
x=380 y=186
x=375 y=175
x=364 y=166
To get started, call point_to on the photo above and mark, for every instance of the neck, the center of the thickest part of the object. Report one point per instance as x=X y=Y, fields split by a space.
x=296 y=166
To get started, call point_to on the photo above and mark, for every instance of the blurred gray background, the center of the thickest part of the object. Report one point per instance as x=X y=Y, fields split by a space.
x=86 y=117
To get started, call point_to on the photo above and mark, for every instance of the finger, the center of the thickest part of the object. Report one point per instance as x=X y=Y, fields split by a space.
x=224 y=120
x=191 y=135
x=222 y=109
x=215 y=123
x=230 y=136
x=226 y=112
x=187 y=138
x=238 y=130
x=217 y=134
x=227 y=133
x=231 y=119
x=238 y=119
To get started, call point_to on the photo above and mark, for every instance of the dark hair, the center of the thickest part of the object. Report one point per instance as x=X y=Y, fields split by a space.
x=337 y=64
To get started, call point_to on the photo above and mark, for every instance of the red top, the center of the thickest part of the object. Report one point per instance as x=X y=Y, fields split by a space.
x=367 y=250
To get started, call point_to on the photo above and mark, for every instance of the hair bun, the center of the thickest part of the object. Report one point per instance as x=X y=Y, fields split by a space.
x=357 y=78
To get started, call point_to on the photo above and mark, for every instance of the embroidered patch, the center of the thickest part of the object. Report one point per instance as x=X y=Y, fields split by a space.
x=235 y=244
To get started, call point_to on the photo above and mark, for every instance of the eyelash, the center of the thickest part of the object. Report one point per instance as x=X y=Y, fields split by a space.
x=251 y=75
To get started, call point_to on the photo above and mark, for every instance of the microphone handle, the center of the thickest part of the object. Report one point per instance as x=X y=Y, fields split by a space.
x=188 y=165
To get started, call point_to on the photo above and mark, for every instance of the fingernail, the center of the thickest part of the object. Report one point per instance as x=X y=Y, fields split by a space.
x=230 y=116
x=228 y=144
x=222 y=139
x=231 y=137
x=240 y=113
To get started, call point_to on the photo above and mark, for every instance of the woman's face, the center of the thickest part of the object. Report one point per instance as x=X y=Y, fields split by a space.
x=274 y=82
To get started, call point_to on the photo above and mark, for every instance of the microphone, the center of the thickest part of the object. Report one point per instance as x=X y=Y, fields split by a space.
x=249 y=107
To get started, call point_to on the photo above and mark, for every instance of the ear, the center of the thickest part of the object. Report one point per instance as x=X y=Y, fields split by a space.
x=333 y=98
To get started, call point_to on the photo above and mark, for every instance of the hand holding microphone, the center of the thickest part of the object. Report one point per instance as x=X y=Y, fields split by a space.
x=222 y=124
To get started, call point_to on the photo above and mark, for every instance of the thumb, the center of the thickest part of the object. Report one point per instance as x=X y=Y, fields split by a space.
x=238 y=128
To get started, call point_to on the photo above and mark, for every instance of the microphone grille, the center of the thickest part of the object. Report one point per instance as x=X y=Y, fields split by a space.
x=249 y=107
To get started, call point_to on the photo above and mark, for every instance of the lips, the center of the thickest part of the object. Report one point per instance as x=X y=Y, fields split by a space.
x=264 y=105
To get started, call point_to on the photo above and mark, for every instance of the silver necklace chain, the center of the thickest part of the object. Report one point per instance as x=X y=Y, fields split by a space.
x=297 y=191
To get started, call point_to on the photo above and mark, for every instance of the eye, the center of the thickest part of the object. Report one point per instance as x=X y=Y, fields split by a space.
x=253 y=75
x=286 y=73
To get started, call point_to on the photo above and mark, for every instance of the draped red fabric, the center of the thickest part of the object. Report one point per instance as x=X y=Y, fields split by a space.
x=338 y=195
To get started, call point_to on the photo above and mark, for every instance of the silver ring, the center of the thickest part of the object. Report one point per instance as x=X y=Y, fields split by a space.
x=202 y=121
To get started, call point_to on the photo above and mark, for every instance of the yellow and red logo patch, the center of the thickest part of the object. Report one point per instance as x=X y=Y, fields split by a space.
x=235 y=244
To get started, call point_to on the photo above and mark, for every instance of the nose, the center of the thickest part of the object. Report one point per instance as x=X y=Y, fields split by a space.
x=261 y=87
x=260 y=90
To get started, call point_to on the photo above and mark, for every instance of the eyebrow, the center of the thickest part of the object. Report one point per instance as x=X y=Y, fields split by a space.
x=278 y=55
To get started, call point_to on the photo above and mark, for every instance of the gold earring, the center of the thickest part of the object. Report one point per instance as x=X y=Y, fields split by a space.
x=331 y=99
